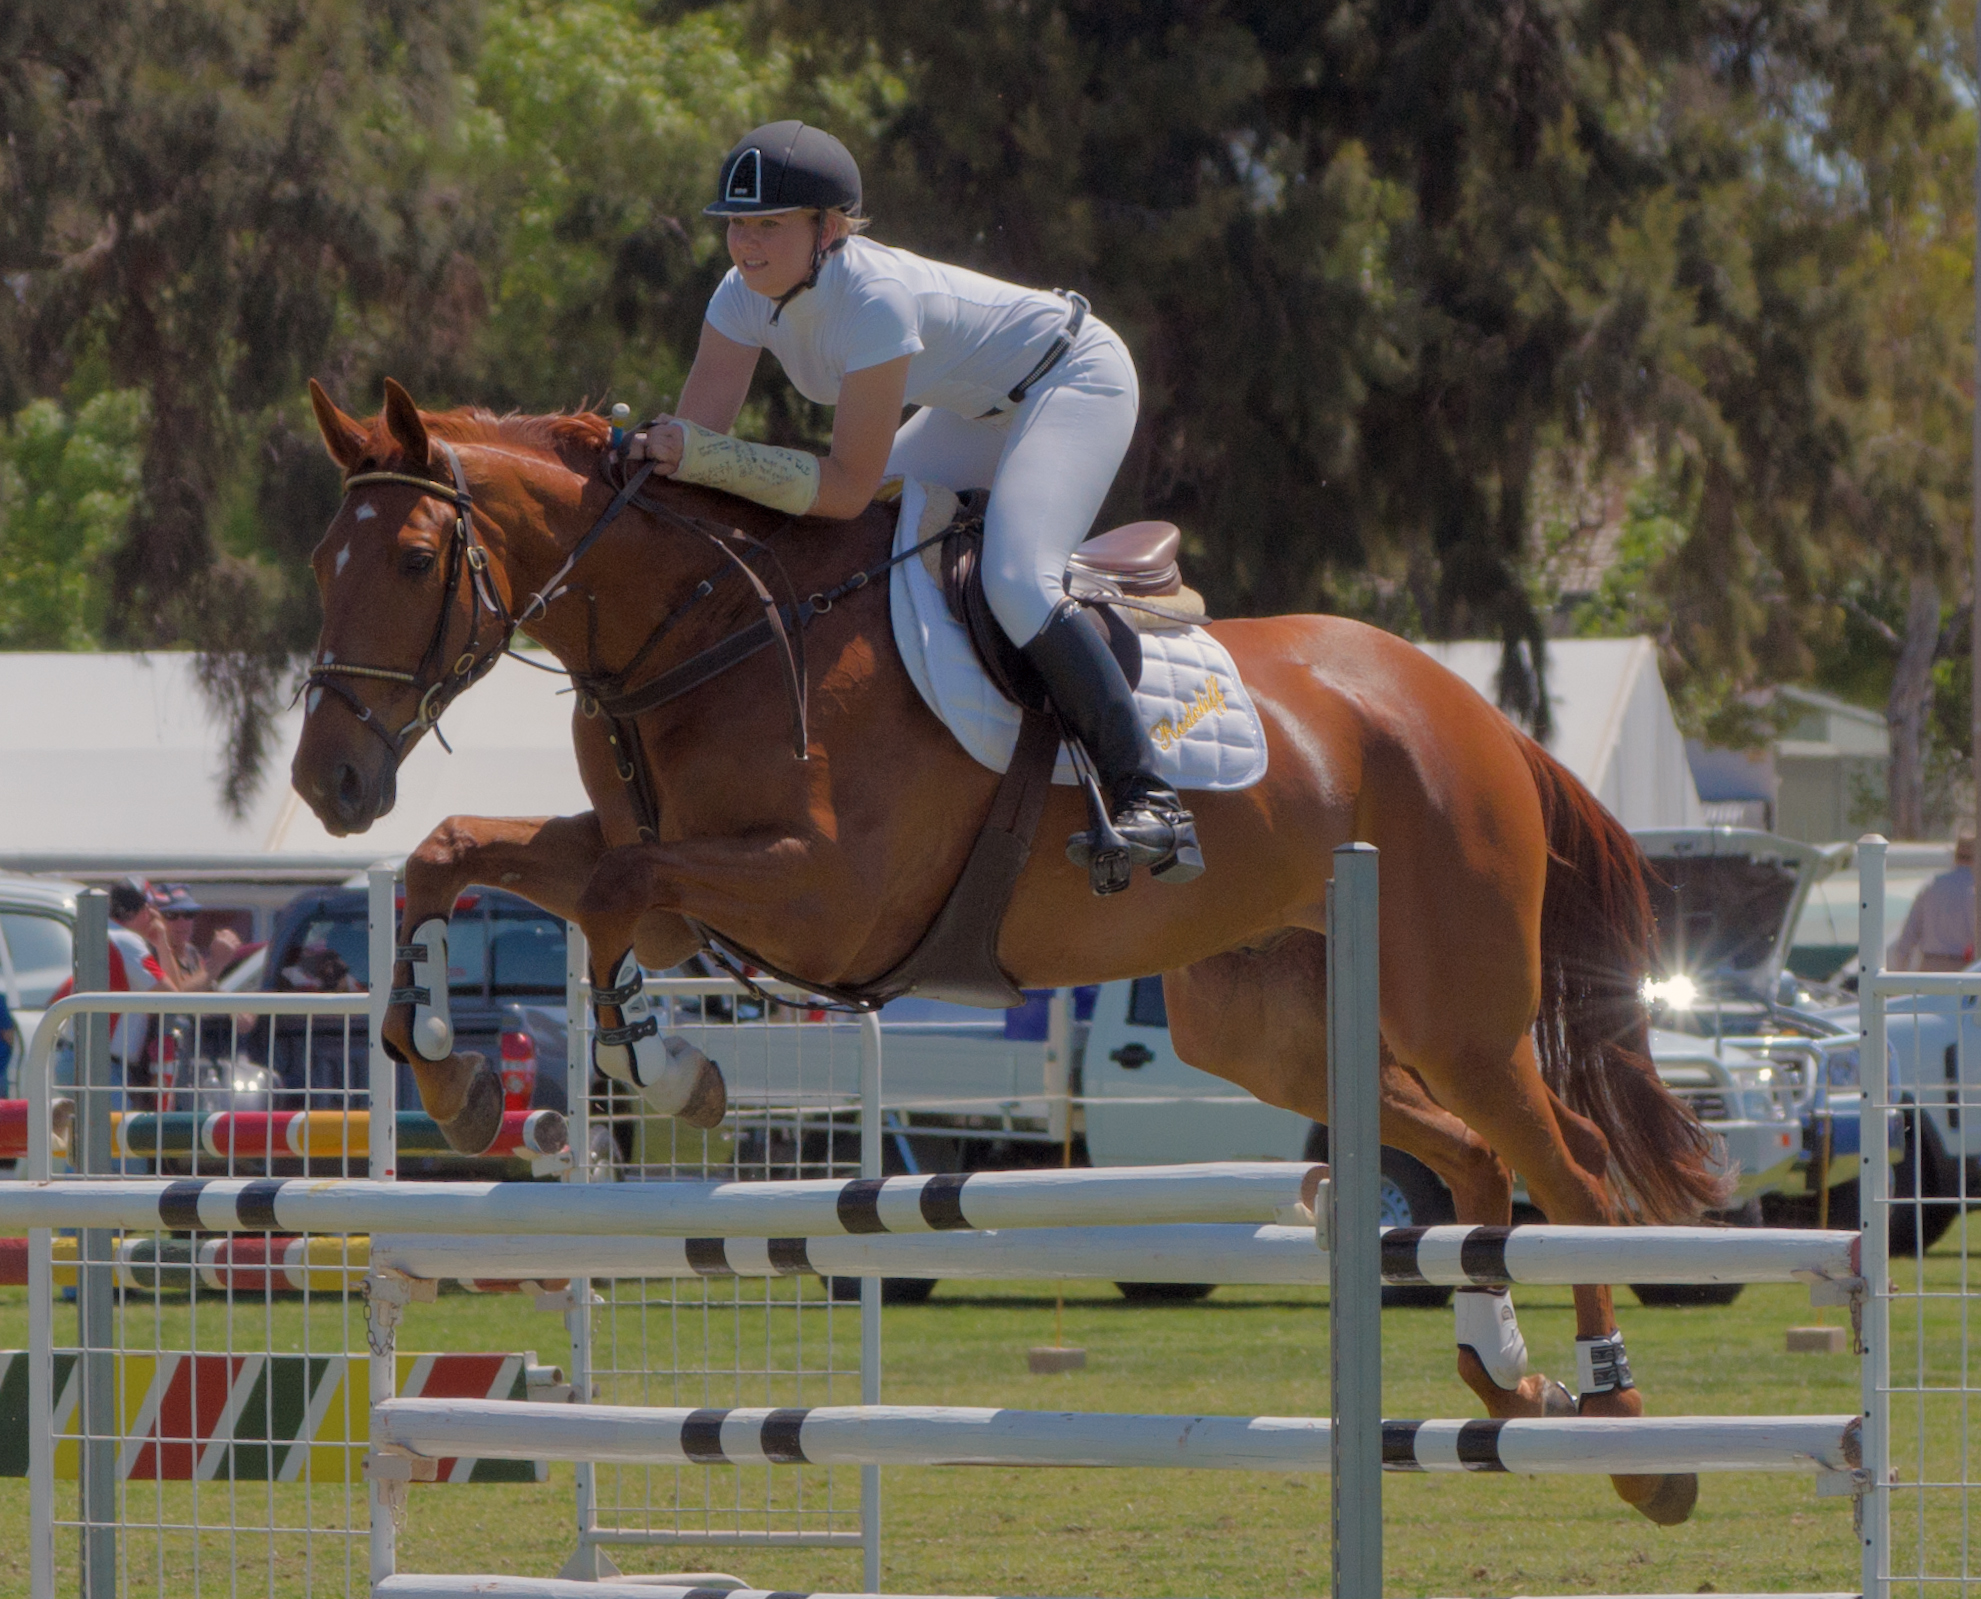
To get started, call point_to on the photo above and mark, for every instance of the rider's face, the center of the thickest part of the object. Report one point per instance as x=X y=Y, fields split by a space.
x=774 y=253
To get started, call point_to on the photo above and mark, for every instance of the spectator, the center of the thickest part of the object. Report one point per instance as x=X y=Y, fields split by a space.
x=141 y=959
x=201 y=971
x=319 y=969
x=1939 y=932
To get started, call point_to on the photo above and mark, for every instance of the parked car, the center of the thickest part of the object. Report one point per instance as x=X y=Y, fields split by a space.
x=37 y=952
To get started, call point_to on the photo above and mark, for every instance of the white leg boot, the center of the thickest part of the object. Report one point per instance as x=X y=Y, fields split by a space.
x=1486 y=1325
x=672 y=1076
x=433 y=1024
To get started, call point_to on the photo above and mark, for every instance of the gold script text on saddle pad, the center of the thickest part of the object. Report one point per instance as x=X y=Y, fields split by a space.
x=1209 y=702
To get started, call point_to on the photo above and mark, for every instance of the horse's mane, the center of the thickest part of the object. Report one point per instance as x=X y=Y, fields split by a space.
x=562 y=434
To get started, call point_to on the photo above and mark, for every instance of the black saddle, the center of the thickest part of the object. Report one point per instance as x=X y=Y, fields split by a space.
x=1004 y=663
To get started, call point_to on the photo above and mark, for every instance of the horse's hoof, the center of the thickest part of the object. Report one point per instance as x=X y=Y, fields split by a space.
x=1664 y=1500
x=473 y=1129
x=708 y=1100
x=1533 y=1396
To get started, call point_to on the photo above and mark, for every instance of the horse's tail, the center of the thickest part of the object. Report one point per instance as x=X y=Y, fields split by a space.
x=1592 y=1031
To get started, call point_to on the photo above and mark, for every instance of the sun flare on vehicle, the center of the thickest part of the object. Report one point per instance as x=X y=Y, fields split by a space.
x=1677 y=992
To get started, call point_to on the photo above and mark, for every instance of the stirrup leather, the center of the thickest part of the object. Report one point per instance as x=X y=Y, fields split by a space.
x=664 y=1070
x=433 y=1025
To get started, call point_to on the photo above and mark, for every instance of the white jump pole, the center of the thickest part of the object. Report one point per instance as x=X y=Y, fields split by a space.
x=870 y=1307
x=468 y=1587
x=1354 y=1219
x=1182 y=1252
x=382 y=933
x=1232 y=1191
x=1874 y=1193
x=946 y=1435
x=584 y=1563
x=91 y=1149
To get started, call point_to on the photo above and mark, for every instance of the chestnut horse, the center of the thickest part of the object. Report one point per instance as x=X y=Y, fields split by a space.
x=1514 y=917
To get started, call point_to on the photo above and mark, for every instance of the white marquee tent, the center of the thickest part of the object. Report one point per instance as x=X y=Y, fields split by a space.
x=119 y=754
x=1614 y=727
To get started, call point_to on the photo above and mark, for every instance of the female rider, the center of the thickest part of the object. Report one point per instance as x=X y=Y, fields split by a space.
x=1017 y=389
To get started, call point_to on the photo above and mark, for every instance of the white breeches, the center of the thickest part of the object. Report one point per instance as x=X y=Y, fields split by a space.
x=1048 y=464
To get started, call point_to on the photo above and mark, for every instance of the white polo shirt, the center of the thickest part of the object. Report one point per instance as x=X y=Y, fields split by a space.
x=971 y=337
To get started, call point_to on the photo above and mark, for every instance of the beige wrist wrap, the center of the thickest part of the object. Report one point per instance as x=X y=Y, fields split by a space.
x=785 y=480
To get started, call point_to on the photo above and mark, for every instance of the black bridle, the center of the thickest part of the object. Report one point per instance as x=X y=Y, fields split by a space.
x=438 y=686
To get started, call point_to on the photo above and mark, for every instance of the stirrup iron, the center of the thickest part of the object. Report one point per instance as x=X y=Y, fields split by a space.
x=1101 y=849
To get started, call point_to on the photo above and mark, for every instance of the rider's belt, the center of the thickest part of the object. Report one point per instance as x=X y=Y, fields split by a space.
x=1076 y=318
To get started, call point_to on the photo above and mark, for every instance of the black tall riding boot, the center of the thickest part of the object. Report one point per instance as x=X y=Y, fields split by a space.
x=1145 y=823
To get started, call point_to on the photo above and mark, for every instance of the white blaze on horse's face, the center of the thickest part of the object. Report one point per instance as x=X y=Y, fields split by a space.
x=366 y=512
x=343 y=557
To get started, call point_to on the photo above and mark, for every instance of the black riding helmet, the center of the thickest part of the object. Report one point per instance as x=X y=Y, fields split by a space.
x=787 y=166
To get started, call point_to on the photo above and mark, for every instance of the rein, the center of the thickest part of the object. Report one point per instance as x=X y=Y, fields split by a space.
x=611 y=694
x=600 y=693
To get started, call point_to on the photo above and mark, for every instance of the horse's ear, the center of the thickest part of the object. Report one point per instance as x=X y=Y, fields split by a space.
x=402 y=421
x=343 y=437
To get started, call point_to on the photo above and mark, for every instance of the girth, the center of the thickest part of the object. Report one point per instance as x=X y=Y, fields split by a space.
x=956 y=958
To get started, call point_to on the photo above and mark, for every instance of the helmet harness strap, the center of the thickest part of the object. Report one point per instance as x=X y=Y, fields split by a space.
x=820 y=251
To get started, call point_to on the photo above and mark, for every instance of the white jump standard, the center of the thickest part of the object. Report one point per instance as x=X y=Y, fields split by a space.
x=1231 y=1222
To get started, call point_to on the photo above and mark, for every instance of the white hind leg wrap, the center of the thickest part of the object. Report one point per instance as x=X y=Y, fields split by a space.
x=1487 y=1326
x=664 y=1070
x=433 y=1024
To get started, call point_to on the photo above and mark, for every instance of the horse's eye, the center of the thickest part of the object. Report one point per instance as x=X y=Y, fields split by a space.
x=416 y=562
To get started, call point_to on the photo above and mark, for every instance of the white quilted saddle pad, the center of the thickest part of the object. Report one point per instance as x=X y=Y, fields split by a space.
x=1201 y=720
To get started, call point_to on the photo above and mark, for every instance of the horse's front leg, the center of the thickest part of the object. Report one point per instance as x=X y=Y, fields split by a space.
x=800 y=904
x=548 y=861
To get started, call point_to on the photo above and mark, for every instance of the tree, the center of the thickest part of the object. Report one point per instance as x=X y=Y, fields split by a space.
x=67 y=484
x=216 y=198
x=1377 y=260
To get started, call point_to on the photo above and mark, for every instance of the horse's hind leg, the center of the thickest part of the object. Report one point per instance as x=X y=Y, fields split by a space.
x=1564 y=1160
x=1492 y=1355
x=1259 y=1019
x=548 y=861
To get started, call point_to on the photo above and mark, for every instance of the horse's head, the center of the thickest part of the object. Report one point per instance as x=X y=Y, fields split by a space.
x=412 y=611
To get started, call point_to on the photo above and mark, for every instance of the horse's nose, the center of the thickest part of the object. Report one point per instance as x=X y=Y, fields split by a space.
x=348 y=797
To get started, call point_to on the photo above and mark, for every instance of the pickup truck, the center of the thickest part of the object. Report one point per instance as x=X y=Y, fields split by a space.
x=1728 y=901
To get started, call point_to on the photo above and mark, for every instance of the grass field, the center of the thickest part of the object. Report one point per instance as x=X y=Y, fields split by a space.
x=1241 y=1352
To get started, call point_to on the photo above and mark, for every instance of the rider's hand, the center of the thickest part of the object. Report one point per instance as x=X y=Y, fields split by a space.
x=660 y=442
